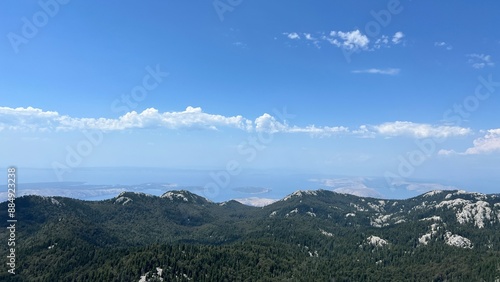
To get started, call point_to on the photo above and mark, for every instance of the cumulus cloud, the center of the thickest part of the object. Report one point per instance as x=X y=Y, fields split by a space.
x=37 y=119
x=353 y=40
x=268 y=123
x=479 y=61
x=32 y=119
x=292 y=35
x=390 y=71
x=26 y=119
x=488 y=144
x=29 y=111
x=364 y=132
x=191 y=118
x=397 y=37
x=419 y=130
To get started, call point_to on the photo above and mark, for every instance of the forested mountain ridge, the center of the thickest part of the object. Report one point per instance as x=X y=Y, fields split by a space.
x=440 y=235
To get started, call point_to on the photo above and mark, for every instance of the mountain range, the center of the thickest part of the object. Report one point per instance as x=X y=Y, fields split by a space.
x=317 y=234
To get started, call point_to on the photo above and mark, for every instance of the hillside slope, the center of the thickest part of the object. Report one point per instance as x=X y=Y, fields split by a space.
x=436 y=236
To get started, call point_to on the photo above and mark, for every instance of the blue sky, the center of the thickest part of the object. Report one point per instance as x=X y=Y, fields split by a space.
x=394 y=89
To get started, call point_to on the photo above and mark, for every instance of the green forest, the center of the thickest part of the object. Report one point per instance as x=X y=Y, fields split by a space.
x=307 y=237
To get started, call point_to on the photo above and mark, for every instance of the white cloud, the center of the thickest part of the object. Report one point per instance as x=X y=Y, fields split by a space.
x=29 y=111
x=268 y=123
x=256 y=202
x=353 y=40
x=331 y=38
x=383 y=40
x=364 y=132
x=397 y=37
x=314 y=40
x=479 y=61
x=349 y=40
x=292 y=35
x=444 y=152
x=309 y=36
x=26 y=119
x=32 y=119
x=320 y=131
x=388 y=41
x=488 y=144
x=37 y=119
x=443 y=44
x=151 y=118
x=390 y=71
x=419 y=130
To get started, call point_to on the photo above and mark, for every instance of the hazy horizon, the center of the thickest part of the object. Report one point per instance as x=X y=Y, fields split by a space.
x=251 y=186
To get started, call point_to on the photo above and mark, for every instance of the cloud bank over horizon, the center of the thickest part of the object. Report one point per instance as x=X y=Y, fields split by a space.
x=38 y=120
